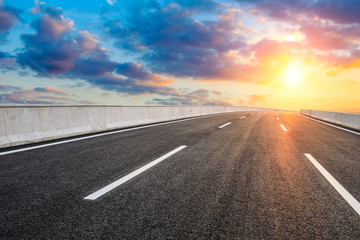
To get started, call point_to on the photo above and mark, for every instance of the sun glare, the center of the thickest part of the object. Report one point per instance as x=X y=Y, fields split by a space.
x=297 y=36
x=289 y=38
x=292 y=74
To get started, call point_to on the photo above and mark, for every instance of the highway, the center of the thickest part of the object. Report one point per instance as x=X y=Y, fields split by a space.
x=239 y=175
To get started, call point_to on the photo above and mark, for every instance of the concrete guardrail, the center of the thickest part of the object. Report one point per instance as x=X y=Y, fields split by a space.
x=343 y=119
x=23 y=124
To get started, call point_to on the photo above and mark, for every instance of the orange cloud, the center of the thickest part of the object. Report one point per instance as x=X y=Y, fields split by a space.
x=255 y=98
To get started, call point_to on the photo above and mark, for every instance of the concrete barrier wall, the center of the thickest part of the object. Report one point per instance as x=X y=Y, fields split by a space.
x=34 y=123
x=344 y=119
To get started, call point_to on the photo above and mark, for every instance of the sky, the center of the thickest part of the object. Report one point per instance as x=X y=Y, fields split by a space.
x=283 y=54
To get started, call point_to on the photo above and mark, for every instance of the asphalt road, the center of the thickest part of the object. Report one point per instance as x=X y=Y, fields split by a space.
x=247 y=180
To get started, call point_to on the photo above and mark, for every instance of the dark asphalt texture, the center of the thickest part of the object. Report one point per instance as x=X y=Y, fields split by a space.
x=248 y=180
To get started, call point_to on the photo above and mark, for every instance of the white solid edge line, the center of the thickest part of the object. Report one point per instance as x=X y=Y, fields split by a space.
x=126 y=178
x=330 y=124
x=100 y=135
x=225 y=125
x=282 y=126
x=339 y=188
x=243 y=117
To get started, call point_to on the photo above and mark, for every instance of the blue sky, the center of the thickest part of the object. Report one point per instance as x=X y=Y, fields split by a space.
x=276 y=54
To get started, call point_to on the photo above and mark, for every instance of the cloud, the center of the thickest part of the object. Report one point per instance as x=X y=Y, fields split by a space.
x=38 y=7
x=36 y=96
x=130 y=86
x=268 y=50
x=48 y=52
x=136 y=72
x=49 y=90
x=346 y=12
x=286 y=10
x=171 y=41
x=7 y=88
x=23 y=73
x=7 y=62
x=201 y=5
x=216 y=92
x=343 y=12
x=327 y=37
x=56 y=50
x=111 y=2
x=201 y=97
x=331 y=28
x=264 y=59
x=330 y=44
x=256 y=98
x=8 y=17
x=340 y=62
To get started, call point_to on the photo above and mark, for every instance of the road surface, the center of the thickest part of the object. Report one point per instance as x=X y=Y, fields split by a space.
x=230 y=176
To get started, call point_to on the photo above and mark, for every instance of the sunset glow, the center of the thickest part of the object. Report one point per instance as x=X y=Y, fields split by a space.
x=289 y=38
x=163 y=52
x=292 y=74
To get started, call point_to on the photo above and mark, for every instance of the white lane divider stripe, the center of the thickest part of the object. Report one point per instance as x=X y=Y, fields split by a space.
x=243 y=117
x=277 y=118
x=339 y=188
x=282 y=126
x=225 y=125
x=126 y=178
x=330 y=124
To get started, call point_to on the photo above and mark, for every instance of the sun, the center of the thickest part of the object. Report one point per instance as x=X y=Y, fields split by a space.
x=290 y=38
x=292 y=74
